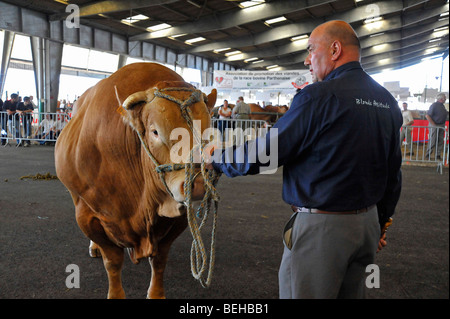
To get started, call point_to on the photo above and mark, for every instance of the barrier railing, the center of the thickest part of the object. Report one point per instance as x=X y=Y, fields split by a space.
x=237 y=131
x=41 y=128
x=422 y=144
x=425 y=144
x=22 y=129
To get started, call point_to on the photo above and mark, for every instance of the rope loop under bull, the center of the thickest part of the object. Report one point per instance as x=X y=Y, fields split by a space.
x=199 y=259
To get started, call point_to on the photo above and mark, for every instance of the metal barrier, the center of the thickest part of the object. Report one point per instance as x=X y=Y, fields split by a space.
x=43 y=128
x=237 y=131
x=421 y=144
x=425 y=144
x=39 y=128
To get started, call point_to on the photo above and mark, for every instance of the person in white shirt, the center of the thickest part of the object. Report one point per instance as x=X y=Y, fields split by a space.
x=47 y=127
x=60 y=124
x=408 y=120
x=224 y=113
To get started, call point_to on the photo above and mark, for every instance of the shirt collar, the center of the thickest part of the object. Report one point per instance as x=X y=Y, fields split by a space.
x=343 y=69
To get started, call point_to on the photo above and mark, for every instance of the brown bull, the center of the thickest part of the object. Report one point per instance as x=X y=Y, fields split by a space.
x=120 y=200
x=271 y=118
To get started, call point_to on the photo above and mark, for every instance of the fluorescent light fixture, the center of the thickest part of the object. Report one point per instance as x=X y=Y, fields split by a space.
x=376 y=35
x=247 y=4
x=194 y=4
x=233 y=53
x=177 y=35
x=158 y=27
x=270 y=67
x=194 y=40
x=431 y=50
x=259 y=61
x=433 y=57
x=372 y=20
x=384 y=61
x=135 y=18
x=435 y=40
x=445 y=14
x=221 y=50
x=299 y=37
x=379 y=47
x=275 y=20
x=440 y=29
x=250 y=60
x=373 y=23
x=440 y=32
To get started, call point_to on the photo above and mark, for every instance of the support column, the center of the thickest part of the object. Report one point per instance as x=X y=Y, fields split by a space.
x=37 y=51
x=53 y=58
x=6 y=56
x=122 y=61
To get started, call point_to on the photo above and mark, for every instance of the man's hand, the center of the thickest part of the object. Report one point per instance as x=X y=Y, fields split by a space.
x=382 y=243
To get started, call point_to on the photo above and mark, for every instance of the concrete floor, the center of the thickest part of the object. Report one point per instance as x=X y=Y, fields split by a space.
x=39 y=238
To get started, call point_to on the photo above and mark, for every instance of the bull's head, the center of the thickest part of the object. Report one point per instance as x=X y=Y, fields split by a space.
x=155 y=116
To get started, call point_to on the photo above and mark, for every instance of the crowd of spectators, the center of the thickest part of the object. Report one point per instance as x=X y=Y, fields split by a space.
x=20 y=121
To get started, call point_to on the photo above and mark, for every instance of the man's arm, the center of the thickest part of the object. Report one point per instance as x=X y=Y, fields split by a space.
x=289 y=136
x=430 y=120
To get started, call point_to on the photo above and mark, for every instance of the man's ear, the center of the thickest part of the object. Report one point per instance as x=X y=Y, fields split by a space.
x=336 y=50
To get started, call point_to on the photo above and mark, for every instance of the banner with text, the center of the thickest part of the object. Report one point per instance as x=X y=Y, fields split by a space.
x=271 y=80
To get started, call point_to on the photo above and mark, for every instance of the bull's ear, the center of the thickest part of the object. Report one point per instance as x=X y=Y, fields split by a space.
x=211 y=100
x=135 y=99
x=132 y=111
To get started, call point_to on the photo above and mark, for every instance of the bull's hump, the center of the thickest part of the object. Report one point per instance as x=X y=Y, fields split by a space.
x=141 y=76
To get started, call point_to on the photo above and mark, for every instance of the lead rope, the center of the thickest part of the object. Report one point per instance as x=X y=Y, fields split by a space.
x=198 y=258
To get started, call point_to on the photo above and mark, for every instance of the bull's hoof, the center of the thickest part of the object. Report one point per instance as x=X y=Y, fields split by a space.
x=95 y=253
x=94 y=250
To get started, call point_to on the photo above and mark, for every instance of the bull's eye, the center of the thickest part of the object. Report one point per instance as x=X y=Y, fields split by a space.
x=155 y=132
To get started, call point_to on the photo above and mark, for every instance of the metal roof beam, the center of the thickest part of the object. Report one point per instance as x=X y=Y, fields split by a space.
x=232 y=19
x=401 y=61
x=394 y=52
x=392 y=23
x=105 y=7
x=291 y=30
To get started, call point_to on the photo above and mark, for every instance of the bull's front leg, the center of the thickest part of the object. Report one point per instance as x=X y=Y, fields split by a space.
x=158 y=262
x=113 y=261
x=112 y=255
x=156 y=289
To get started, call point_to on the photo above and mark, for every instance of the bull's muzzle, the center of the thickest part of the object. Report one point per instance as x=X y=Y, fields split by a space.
x=197 y=189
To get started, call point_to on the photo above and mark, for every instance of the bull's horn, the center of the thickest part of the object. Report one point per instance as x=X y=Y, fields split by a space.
x=134 y=99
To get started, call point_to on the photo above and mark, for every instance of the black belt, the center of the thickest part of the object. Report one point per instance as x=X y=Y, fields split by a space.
x=319 y=211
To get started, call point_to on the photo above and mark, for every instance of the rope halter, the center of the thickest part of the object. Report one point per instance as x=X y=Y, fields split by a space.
x=210 y=178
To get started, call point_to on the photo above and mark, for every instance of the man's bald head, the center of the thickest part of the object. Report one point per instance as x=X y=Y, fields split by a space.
x=341 y=31
x=331 y=45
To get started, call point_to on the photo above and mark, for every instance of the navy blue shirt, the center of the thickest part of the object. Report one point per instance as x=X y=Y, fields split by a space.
x=338 y=143
x=438 y=113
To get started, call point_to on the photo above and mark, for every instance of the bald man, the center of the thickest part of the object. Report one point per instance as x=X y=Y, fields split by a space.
x=340 y=151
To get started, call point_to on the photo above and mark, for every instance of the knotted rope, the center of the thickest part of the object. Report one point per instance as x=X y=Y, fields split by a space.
x=199 y=258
